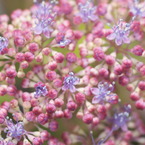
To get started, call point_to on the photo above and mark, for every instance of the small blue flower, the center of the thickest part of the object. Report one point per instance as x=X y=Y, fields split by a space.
x=15 y=130
x=41 y=90
x=120 y=33
x=87 y=12
x=45 y=19
x=69 y=82
x=103 y=93
x=3 y=43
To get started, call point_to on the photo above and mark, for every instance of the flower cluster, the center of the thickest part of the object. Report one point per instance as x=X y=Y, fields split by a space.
x=63 y=79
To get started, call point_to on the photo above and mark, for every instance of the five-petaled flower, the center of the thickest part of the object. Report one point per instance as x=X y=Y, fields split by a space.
x=69 y=82
x=44 y=19
x=87 y=12
x=15 y=130
x=41 y=90
x=120 y=33
x=103 y=93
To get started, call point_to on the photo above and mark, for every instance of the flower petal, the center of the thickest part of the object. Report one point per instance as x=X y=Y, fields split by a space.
x=95 y=91
x=111 y=36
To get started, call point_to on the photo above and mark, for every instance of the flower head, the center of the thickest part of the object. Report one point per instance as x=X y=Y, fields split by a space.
x=69 y=82
x=15 y=130
x=44 y=19
x=3 y=43
x=103 y=93
x=41 y=90
x=87 y=12
x=120 y=33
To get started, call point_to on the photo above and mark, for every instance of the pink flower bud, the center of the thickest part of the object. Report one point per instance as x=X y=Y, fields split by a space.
x=50 y=108
x=103 y=72
x=30 y=116
x=29 y=56
x=44 y=135
x=11 y=73
x=57 y=83
x=37 y=110
x=140 y=104
x=118 y=70
x=88 y=118
x=67 y=114
x=71 y=106
x=71 y=57
x=46 y=51
x=59 y=57
x=134 y=96
x=37 y=141
x=52 y=65
x=20 y=57
x=42 y=118
x=51 y=75
x=24 y=65
x=52 y=93
x=123 y=80
x=127 y=64
x=141 y=85
x=99 y=54
x=58 y=102
x=110 y=60
x=80 y=98
x=53 y=126
x=33 y=47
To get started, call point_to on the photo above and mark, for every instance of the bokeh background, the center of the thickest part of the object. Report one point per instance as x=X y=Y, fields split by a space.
x=7 y=6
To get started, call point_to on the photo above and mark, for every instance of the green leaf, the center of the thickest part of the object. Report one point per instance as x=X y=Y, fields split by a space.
x=48 y=41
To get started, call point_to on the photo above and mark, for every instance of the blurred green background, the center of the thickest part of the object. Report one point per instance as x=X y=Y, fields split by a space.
x=7 y=6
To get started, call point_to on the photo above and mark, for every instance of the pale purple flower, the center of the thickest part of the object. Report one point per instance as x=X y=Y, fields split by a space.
x=138 y=9
x=120 y=33
x=41 y=90
x=15 y=130
x=87 y=12
x=3 y=43
x=103 y=93
x=69 y=82
x=3 y=142
x=44 y=19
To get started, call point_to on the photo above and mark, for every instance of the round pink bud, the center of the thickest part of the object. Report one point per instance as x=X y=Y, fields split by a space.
x=137 y=50
x=110 y=60
x=67 y=114
x=33 y=47
x=59 y=57
x=14 y=103
x=58 y=102
x=19 y=41
x=59 y=114
x=142 y=70
x=51 y=75
x=52 y=65
x=102 y=9
x=77 y=20
x=140 y=104
x=103 y=72
x=52 y=93
x=46 y=51
x=12 y=90
x=29 y=56
x=11 y=73
x=30 y=116
x=99 y=54
x=50 y=108
x=42 y=118
x=26 y=97
x=53 y=126
x=37 y=141
x=134 y=96
x=3 y=91
x=71 y=57
x=44 y=135
x=101 y=109
x=57 y=83
x=80 y=98
x=127 y=64
x=83 y=52
x=24 y=65
x=95 y=121
x=37 y=110
x=2 y=119
x=123 y=80
x=118 y=70
x=19 y=57
x=141 y=85
x=71 y=106
x=88 y=118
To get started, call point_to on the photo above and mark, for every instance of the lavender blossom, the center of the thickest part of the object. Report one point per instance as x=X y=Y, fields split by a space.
x=87 y=12
x=3 y=43
x=120 y=33
x=69 y=82
x=45 y=19
x=15 y=130
x=119 y=121
x=103 y=93
x=138 y=10
x=41 y=90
